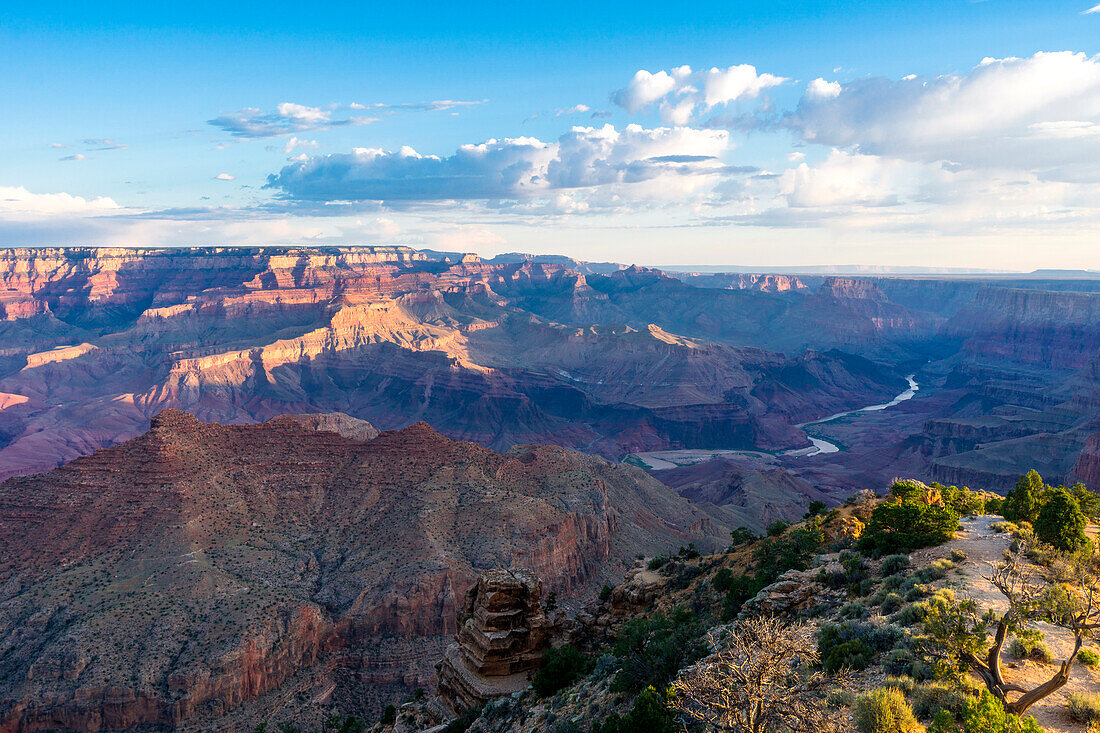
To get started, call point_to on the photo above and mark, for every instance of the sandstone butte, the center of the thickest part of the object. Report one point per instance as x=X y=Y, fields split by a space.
x=201 y=570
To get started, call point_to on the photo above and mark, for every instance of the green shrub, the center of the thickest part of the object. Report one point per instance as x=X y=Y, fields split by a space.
x=1089 y=501
x=652 y=650
x=740 y=589
x=884 y=711
x=933 y=571
x=1022 y=503
x=1061 y=523
x=649 y=714
x=853 y=644
x=1030 y=646
x=893 y=582
x=899 y=662
x=993 y=505
x=983 y=714
x=657 y=562
x=905 y=684
x=961 y=501
x=605 y=593
x=907 y=524
x=1088 y=657
x=795 y=550
x=912 y=614
x=853 y=609
x=854 y=654
x=561 y=667
x=816 y=508
x=742 y=536
x=1083 y=707
x=1001 y=527
x=722 y=580
x=916 y=591
x=893 y=564
x=891 y=603
x=958 y=556
x=389 y=715
x=777 y=527
x=931 y=697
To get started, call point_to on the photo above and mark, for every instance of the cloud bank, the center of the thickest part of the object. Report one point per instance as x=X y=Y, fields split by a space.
x=509 y=168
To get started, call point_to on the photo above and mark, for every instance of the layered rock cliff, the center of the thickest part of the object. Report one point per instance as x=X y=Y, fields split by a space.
x=98 y=341
x=200 y=568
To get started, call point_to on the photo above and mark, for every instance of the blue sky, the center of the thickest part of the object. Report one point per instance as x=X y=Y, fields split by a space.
x=119 y=119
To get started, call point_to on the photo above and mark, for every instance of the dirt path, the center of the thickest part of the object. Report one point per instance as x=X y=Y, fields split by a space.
x=983 y=546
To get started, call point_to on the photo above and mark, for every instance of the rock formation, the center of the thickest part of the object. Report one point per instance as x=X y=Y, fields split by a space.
x=523 y=350
x=203 y=569
x=502 y=634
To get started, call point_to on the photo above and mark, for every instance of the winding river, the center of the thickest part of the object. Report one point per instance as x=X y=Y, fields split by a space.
x=823 y=446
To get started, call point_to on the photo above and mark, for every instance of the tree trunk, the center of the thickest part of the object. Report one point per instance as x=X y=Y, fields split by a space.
x=1060 y=678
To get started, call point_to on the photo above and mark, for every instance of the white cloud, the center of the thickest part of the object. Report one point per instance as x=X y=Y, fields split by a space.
x=224 y=177
x=821 y=89
x=576 y=109
x=19 y=202
x=294 y=142
x=1093 y=9
x=846 y=179
x=681 y=92
x=75 y=156
x=1033 y=114
x=517 y=168
x=287 y=118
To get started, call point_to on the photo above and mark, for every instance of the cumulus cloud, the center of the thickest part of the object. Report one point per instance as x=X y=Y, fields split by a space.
x=679 y=93
x=286 y=119
x=19 y=202
x=1036 y=114
x=846 y=179
x=512 y=168
x=224 y=177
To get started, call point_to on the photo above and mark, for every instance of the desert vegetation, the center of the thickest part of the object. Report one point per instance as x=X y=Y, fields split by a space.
x=863 y=617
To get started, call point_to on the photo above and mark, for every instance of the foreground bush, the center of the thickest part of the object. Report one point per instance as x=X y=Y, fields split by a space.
x=907 y=525
x=885 y=711
x=1061 y=523
x=983 y=715
x=652 y=650
x=649 y=713
x=764 y=679
x=1083 y=707
x=1088 y=657
x=560 y=668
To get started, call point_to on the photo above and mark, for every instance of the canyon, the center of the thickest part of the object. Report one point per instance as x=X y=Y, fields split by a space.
x=201 y=571
x=606 y=359
x=240 y=477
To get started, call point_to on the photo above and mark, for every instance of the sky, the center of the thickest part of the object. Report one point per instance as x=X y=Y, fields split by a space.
x=928 y=134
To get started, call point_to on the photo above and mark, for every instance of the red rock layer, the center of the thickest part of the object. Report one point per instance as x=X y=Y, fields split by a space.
x=190 y=570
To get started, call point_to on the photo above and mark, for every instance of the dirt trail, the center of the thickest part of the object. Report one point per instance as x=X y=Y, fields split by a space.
x=983 y=546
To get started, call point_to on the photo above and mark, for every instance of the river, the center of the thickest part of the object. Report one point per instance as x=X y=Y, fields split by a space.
x=821 y=446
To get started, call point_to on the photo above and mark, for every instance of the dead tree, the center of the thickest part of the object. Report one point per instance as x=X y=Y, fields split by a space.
x=1066 y=595
x=764 y=678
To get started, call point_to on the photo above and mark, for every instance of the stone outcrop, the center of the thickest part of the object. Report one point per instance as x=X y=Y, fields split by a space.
x=502 y=636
